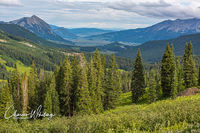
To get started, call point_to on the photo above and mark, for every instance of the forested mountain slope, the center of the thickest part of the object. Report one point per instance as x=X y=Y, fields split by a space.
x=161 y=31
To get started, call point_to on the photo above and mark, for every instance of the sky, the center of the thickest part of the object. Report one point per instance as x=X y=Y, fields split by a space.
x=107 y=14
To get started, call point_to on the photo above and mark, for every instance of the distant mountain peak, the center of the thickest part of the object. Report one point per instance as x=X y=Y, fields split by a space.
x=34 y=16
x=161 y=31
x=39 y=27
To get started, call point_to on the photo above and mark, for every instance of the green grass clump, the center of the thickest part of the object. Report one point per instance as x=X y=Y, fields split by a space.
x=181 y=114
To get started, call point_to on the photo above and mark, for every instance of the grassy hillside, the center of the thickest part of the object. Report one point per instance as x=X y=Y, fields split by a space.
x=20 y=66
x=13 y=49
x=152 y=51
x=19 y=31
x=181 y=114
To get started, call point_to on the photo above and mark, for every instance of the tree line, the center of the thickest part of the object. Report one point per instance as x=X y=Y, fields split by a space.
x=166 y=79
x=80 y=86
x=75 y=86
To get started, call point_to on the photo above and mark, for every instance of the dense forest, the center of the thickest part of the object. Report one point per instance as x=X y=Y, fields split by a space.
x=80 y=86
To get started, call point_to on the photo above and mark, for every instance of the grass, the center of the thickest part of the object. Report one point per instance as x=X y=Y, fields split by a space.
x=20 y=66
x=181 y=114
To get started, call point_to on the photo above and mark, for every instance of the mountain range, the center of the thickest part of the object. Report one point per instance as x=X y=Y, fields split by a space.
x=75 y=33
x=162 y=31
x=39 y=27
x=16 y=30
x=38 y=31
x=152 y=50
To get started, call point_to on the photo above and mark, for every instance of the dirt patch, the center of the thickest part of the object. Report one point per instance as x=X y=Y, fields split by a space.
x=189 y=91
x=3 y=41
x=28 y=44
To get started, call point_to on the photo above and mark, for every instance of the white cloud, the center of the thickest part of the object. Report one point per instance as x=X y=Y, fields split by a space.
x=101 y=13
x=159 y=8
x=10 y=3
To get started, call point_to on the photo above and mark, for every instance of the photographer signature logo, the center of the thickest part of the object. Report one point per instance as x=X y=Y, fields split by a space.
x=34 y=114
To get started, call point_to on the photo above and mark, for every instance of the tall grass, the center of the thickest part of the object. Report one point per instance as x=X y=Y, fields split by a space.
x=181 y=114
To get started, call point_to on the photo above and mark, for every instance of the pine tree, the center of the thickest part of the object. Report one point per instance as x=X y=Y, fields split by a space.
x=152 y=86
x=168 y=73
x=92 y=84
x=199 y=77
x=173 y=75
x=56 y=70
x=113 y=90
x=24 y=88
x=83 y=103
x=103 y=62
x=158 y=80
x=32 y=85
x=42 y=87
x=64 y=90
x=15 y=85
x=189 y=67
x=51 y=102
x=138 y=81
x=178 y=75
x=75 y=82
x=6 y=101
x=99 y=87
x=59 y=76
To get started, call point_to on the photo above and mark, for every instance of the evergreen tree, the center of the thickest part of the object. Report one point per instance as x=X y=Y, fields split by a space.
x=15 y=85
x=92 y=84
x=56 y=70
x=83 y=103
x=65 y=88
x=103 y=62
x=75 y=82
x=189 y=67
x=51 y=102
x=152 y=86
x=158 y=84
x=113 y=90
x=99 y=87
x=59 y=75
x=42 y=87
x=138 y=81
x=24 y=88
x=6 y=101
x=173 y=76
x=32 y=85
x=199 y=77
x=168 y=73
x=178 y=75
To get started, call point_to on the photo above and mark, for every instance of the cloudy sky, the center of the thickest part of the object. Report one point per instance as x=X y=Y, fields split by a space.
x=109 y=14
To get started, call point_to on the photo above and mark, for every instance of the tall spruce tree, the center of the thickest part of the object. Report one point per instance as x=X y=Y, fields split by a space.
x=32 y=85
x=112 y=90
x=83 y=102
x=92 y=84
x=189 y=67
x=64 y=90
x=199 y=78
x=6 y=101
x=173 y=77
x=75 y=82
x=15 y=87
x=51 y=102
x=43 y=85
x=99 y=87
x=24 y=88
x=138 y=81
x=152 y=86
x=178 y=76
x=158 y=81
x=168 y=73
